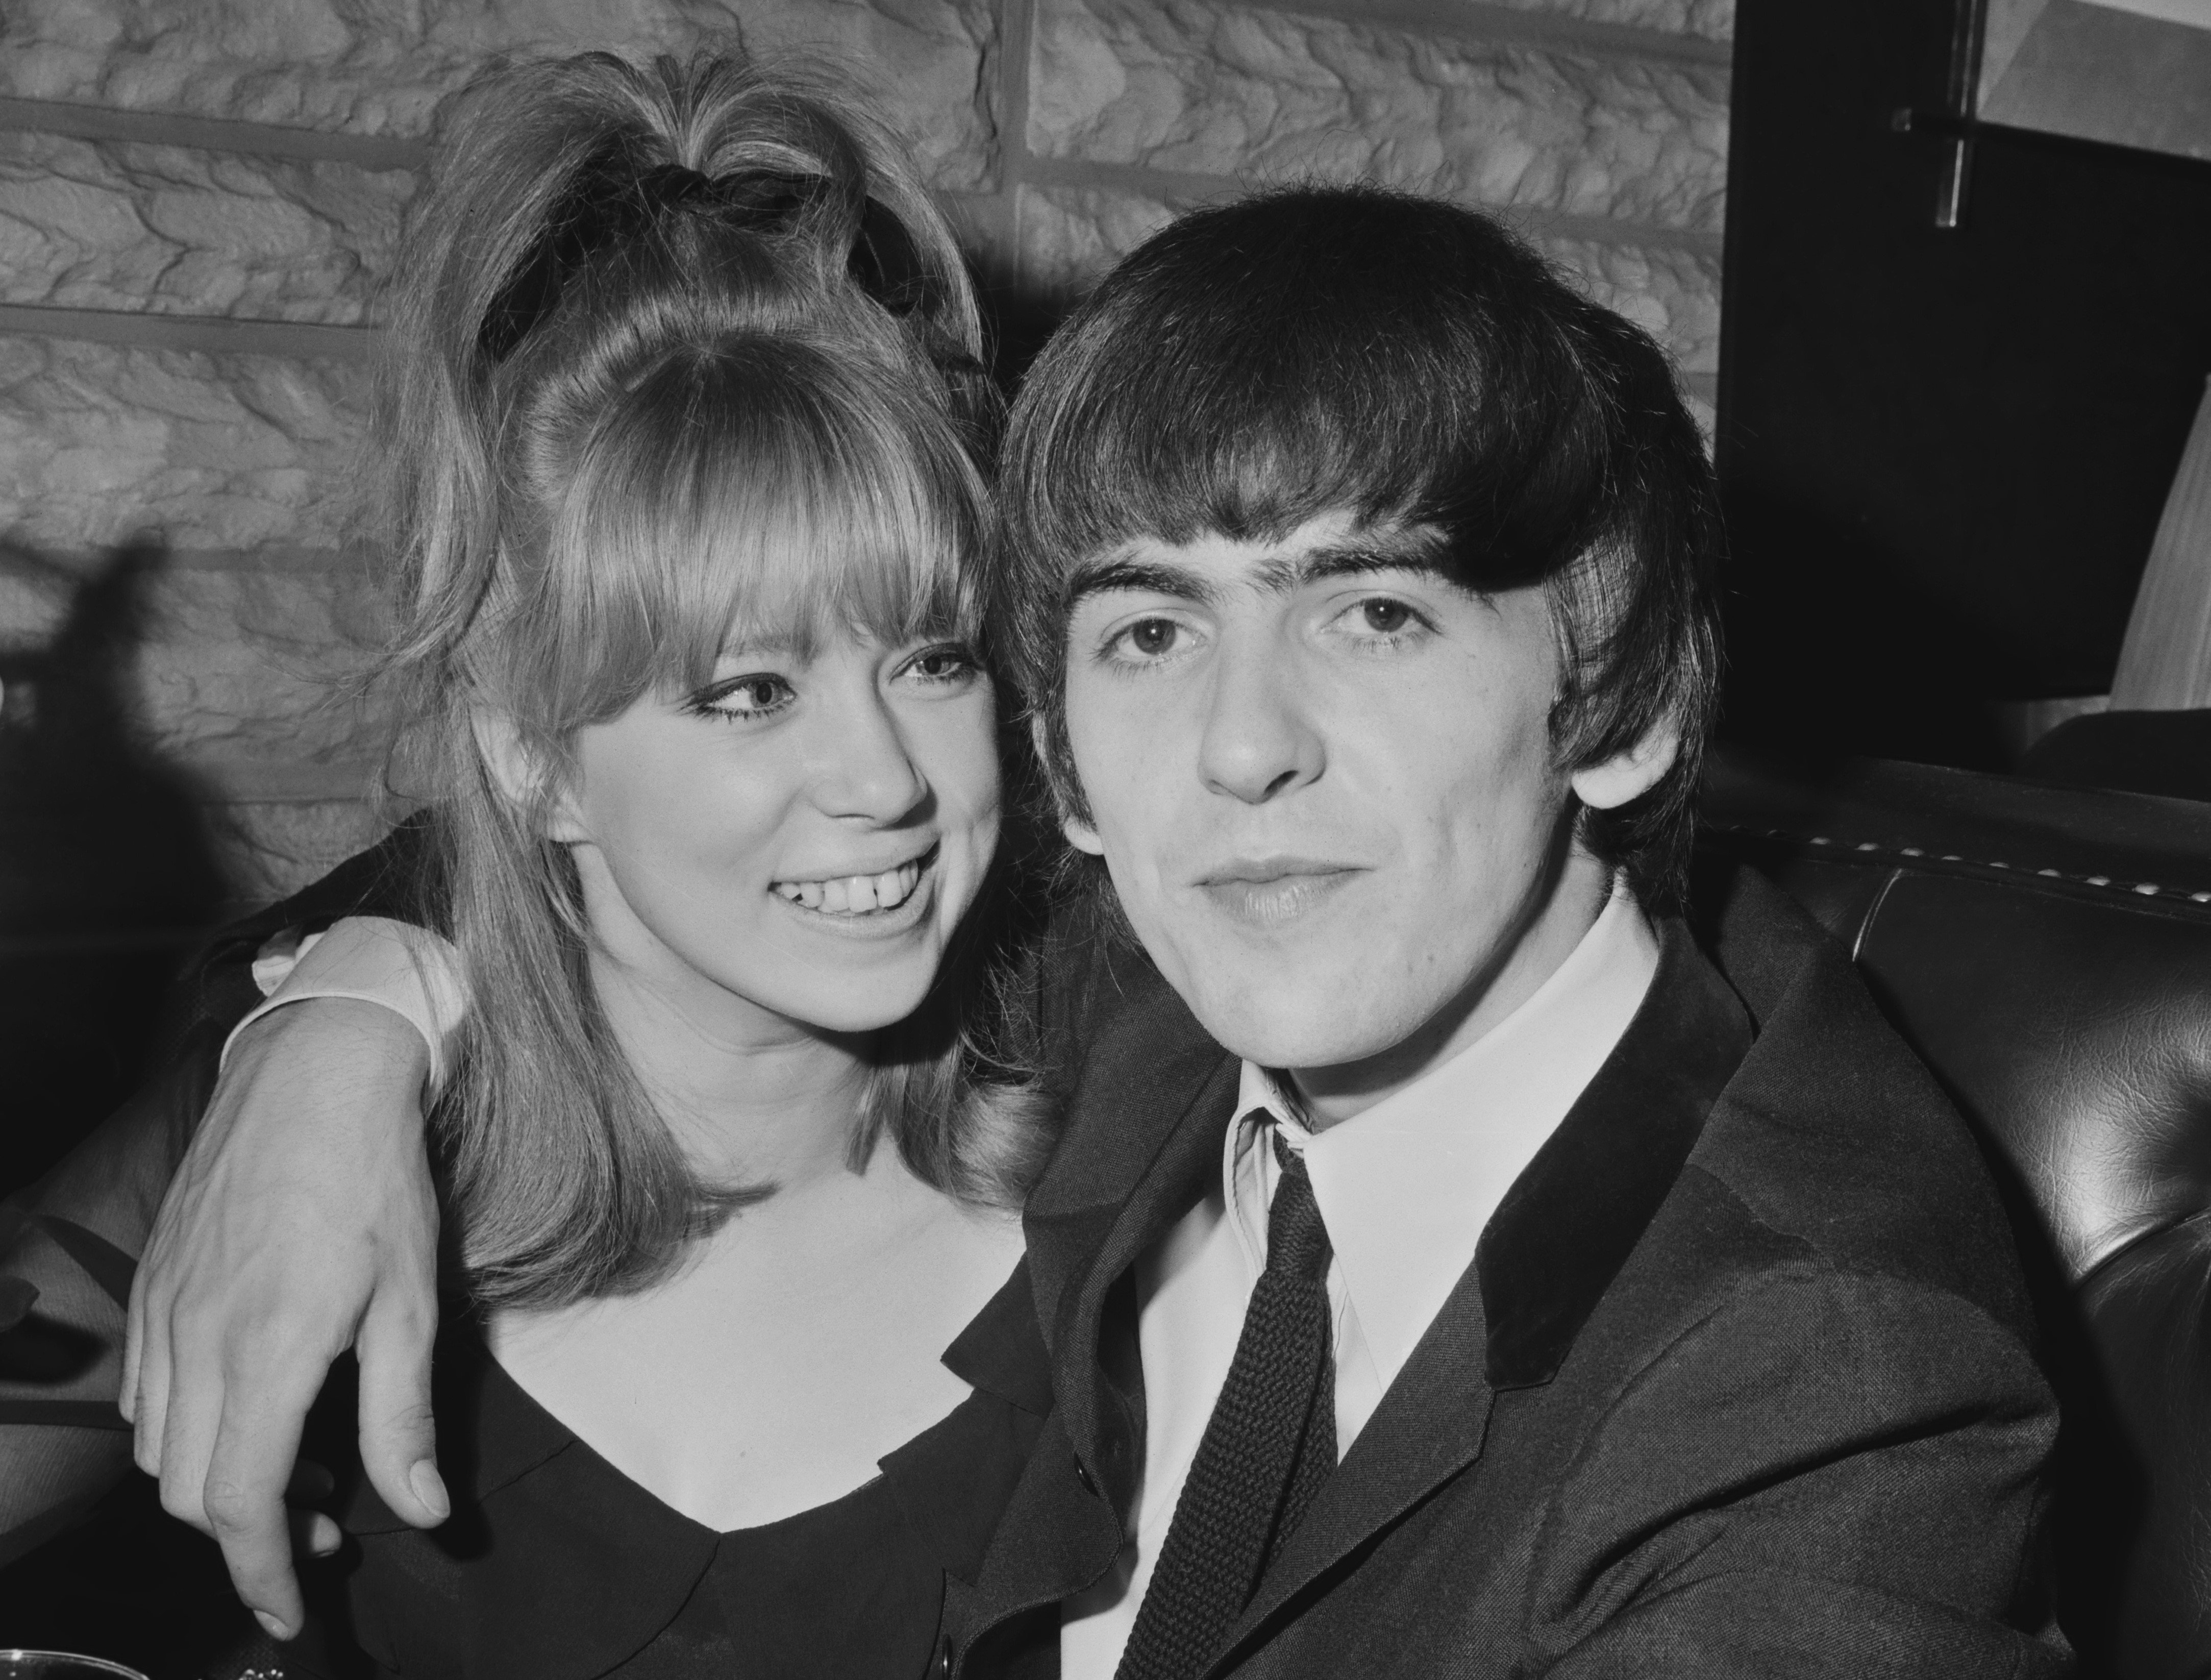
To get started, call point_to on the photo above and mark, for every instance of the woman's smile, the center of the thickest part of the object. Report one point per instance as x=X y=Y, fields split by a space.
x=868 y=905
x=810 y=862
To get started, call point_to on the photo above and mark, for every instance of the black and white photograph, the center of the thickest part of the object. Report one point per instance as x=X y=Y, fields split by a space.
x=1104 y=840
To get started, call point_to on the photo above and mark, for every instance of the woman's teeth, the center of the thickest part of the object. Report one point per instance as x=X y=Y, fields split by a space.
x=855 y=895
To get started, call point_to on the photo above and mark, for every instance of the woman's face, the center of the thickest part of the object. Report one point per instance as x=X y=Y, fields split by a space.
x=794 y=843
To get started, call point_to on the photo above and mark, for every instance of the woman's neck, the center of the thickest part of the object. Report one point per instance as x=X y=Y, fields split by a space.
x=751 y=1097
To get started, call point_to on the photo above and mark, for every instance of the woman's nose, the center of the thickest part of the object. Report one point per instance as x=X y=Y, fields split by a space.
x=869 y=769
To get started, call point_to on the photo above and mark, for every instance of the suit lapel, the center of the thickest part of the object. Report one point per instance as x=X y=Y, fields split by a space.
x=1104 y=1421
x=1569 y=1222
x=1556 y=1242
x=1142 y=1145
x=1143 y=1141
x=1428 y=1428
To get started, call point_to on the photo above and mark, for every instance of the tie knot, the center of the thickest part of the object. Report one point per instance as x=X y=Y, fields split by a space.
x=1297 y=1239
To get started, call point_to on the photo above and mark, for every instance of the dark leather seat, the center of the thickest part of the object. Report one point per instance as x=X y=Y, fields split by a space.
x=2142 y=752
x=2048 y=951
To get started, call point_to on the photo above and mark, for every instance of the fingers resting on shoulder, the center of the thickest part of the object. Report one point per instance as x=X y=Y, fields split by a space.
x=302 y=1222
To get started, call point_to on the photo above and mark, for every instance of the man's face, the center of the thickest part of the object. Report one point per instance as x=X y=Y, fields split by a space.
x=1322 y=778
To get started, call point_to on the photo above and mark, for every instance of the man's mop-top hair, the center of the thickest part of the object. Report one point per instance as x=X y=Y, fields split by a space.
x=1325 y=348
x=680 y=354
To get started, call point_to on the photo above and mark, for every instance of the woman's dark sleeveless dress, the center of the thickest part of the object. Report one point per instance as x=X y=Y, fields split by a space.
x=555 y=1566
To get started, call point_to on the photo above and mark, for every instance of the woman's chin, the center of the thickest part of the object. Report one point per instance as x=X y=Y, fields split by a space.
x=855 y=1010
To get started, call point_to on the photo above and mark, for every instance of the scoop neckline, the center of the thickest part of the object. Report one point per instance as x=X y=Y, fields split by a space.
x=510 y=1391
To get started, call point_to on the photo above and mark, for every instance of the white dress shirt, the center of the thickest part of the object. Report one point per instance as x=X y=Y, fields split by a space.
x=1405 y=1188
x=407 y=969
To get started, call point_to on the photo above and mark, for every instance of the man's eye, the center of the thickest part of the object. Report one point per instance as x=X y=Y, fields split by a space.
x=1386 y=617
x=746 y=697
x=1149 y=638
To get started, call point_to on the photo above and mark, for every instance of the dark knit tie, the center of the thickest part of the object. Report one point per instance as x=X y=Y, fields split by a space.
x=1268 y=1446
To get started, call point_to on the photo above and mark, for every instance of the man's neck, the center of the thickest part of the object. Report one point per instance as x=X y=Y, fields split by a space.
x=1559 y=921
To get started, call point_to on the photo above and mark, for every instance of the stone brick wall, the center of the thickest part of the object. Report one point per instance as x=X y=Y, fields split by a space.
x=198 y=199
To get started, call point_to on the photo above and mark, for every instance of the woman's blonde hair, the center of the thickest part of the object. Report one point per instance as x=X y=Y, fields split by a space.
x=679 y=353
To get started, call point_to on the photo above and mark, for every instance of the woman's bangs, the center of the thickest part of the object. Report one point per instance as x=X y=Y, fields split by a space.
x=777 y=523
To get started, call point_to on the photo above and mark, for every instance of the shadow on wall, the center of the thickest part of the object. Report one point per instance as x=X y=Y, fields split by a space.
x=106 y=873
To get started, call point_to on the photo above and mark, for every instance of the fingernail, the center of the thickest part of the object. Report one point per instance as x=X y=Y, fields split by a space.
x=271 y=1626
x=430 y=1487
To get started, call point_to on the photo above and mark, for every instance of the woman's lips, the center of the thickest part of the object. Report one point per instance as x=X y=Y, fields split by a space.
x=878 y=900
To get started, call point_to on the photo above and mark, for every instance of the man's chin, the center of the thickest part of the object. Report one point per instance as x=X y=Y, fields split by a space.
x=1277 y=1028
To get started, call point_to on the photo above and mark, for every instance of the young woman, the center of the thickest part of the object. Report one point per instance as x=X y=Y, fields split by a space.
x=678 y=451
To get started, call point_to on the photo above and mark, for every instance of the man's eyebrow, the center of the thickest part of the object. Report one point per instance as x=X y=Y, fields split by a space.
x=1421 y=550
x=1103 y=576
x=1424 y=551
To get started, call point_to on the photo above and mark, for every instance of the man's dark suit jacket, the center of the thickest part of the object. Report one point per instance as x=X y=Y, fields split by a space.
x=1740 y=1381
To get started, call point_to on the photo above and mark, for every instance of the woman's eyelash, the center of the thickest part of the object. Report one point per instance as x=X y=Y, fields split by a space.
x=773 y=693
x=958 y=653
x=708 y=701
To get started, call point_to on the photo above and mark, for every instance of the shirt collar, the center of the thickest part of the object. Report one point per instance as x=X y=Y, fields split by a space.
x=1407 y=1187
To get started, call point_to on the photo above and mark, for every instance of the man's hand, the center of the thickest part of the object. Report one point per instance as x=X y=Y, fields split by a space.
x=302 y=1222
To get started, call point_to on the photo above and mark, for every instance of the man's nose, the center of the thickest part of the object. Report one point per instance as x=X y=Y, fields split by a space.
x=868 y=765
x=1259 y=740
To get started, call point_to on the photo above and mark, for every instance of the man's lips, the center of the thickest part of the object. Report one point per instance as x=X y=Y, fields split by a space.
x=1269 y=891
x=1264 y=870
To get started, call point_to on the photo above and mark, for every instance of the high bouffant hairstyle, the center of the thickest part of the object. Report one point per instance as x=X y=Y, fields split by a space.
x=1324 y=349
x=678 y=354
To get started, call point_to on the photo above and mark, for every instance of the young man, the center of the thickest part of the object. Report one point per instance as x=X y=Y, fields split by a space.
x=1448 y=1267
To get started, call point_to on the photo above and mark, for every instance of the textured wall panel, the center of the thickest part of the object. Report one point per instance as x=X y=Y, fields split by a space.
x=35 y=599
x=1672 y=294
x=269 y=849
x=103 y=226
x=101 y=443
x=1071 y=236
x=1706 y=20
x=239 y=674
x=1189 y=86
x=230 y=666
x=381 y=66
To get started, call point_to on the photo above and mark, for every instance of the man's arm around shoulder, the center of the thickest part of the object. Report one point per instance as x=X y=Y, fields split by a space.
x=300 y=1221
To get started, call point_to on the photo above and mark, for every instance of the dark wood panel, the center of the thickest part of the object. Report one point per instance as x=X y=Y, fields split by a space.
x=1944 y=452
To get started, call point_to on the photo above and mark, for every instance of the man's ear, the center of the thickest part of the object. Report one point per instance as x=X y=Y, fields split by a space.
x=1080 y=835
x=1613 y=782
x=520 y=776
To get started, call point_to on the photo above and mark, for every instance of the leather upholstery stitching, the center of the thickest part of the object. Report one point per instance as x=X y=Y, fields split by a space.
x=1951 y=862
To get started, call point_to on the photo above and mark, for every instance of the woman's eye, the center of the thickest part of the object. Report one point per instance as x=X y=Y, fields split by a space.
x=746 y=697
x=949 y=663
